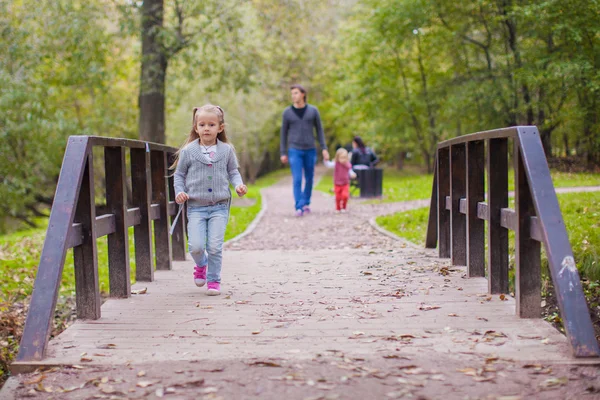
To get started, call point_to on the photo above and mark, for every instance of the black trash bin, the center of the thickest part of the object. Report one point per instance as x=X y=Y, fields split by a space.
x=370 y=182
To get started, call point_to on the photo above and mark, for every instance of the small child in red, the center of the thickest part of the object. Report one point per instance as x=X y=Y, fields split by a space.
x=341 y=178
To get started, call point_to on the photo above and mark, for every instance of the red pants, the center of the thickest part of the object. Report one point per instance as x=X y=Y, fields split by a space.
x=341 y=196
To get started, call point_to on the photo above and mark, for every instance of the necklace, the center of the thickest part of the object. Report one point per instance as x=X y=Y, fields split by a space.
x=211 y=154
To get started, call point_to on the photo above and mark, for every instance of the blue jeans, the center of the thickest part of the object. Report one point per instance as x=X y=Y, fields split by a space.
x=206 y=234
x=302 y=160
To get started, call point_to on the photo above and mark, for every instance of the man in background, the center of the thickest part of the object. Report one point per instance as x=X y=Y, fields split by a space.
x=300 y=122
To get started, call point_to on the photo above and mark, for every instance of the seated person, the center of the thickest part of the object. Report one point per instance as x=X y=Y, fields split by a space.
x=362 y=156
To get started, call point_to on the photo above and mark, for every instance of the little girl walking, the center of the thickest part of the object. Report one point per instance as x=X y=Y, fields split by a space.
x=204 y=167
x=341 y=178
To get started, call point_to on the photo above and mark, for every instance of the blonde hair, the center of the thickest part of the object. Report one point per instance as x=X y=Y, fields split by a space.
x=341 y=155
x=193 y=136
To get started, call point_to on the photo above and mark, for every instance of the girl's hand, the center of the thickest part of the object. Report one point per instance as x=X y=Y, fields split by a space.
x=181 y=198
x=241 y=190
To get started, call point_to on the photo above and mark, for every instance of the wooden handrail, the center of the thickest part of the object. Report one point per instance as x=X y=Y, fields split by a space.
x=73 y=224
x=460 y=208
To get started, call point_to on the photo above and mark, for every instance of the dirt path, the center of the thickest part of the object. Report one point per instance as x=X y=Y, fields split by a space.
x=318 y=307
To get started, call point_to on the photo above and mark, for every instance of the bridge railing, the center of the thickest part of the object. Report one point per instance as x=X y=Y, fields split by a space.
x=74 y=224
x=460 y=206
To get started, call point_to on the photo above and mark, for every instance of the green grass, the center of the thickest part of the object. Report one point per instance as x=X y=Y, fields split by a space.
x=402 y=185
x=241 y=217
x=580 y=211
x=411 y=185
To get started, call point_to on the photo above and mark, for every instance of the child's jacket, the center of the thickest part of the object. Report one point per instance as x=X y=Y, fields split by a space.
x=341 y=174
x=205 y=180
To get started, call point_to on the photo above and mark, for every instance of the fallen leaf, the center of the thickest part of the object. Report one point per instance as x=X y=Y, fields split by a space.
x=424 y=307
x=106 y=346
x=503 y=297
x=554 y=382
x=145 y=384
x=35 y=380
x=108 y=389
x=140 y=291
x=141 y=373
x=265 y=364
x=453 y=315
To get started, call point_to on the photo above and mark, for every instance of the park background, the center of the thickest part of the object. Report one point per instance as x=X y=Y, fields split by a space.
x=402 y=74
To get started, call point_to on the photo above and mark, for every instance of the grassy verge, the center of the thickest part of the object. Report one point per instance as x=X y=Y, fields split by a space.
x=241 y=217
x=409 y=184
x=20 y=254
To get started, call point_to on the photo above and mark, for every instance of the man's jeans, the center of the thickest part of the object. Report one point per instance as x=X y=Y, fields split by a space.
x=302 y=160
x=206 y=231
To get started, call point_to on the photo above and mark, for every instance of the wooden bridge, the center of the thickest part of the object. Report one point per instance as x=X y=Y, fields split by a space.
x=318 y=286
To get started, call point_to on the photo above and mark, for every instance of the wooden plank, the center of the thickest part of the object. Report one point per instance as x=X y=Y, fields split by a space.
x=443 y=190
x=75 y=236
x=141 y=183
x=508 y=218
x=462 y=206
x=162 y=224
x=528 y=265
x=475 y=197
x=105 y=225
x=85 y=256
x=129 y=143
x=154 y=212
x=39 y=320
x=173 y=327
x=535 y=229
x=573 y=306
x=497 y=179
x=458 y=190
x=172 y=208
x=482 y=211
x=134 y=216
x=502 y=133
x=118 y=240
x=432 y=228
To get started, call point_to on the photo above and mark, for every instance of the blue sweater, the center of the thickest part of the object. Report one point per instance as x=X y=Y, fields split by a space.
x=206 y=181
x=298 y=133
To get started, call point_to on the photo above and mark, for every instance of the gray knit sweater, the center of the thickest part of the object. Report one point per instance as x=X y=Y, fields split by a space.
x=206 y=181
x=298 y=133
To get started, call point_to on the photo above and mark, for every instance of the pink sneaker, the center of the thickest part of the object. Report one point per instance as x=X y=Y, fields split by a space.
x=200 y=275
x=214 y=289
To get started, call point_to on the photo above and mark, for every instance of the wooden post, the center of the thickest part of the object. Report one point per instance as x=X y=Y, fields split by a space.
x=141 y=192
x=565 y=277
x=458 y=191
x=87 y=290
x=475 y=194
x=38 y=324
x=118 y=242
x=497 y=182
x=432 y=228
x=162 y=242
x=528 y=274
x=443 y=176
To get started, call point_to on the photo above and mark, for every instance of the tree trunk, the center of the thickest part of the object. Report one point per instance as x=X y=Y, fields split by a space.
x=153 y=74
x=566 y=144
x=400 y=157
